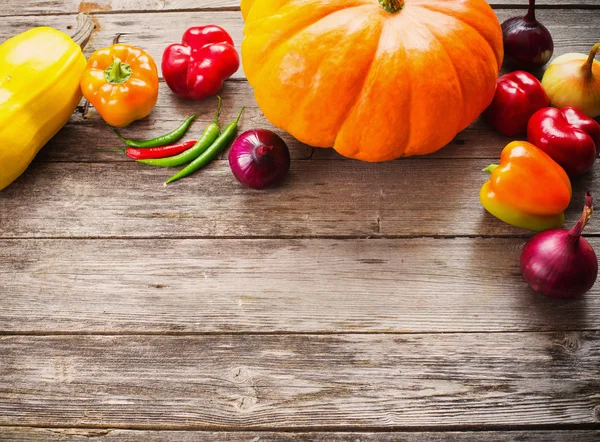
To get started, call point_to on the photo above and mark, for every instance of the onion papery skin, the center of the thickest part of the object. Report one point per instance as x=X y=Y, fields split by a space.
x=561 y=263
x=259 y=159
x=573 y=80
x=554 y=268
x=527 y=43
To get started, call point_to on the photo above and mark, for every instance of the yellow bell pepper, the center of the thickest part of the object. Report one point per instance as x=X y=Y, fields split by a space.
x=40 y=71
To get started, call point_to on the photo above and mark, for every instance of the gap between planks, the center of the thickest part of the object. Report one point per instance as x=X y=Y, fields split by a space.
x=329 y=430
x=373 y=237
x=495 y=6
x=312 y=333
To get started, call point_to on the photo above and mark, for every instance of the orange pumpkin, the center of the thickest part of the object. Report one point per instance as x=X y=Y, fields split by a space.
x=375 y=79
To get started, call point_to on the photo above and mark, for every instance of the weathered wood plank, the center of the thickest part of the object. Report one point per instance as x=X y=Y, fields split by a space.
x=23 y=434
x=39 y=7
x=301 y=381
x=573 y=30
x=308 y=286
x=318 y=198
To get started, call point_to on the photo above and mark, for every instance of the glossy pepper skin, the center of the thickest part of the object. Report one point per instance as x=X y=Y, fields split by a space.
x=121 y=82
x=568 y=136
x=197 y=68
x=528 y=189
x=518 y=96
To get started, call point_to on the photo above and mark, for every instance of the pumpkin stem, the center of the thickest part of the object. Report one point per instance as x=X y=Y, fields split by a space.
x=392 y=6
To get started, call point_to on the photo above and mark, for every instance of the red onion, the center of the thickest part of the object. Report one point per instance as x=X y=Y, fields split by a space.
x=561 y=263
x=527 y=42
x=259 y=158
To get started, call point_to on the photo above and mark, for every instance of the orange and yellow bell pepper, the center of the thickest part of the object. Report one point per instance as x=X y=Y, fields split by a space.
x=121 y=82
x=527 y=189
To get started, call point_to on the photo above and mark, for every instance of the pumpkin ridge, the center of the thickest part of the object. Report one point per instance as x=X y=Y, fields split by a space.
x=409 y=95
x=294 y=32
x=489 y=43
x=302 y=104
x=456 y=76
x=360 y=91
x=410 y=106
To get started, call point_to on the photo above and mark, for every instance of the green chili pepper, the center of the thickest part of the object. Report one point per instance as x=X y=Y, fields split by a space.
x=163 y=140
x=211 y=153
x=204 y=142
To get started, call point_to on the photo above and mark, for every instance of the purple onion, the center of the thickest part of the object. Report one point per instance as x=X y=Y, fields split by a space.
x=527 y=42
x=259 y=158
x=560 y=263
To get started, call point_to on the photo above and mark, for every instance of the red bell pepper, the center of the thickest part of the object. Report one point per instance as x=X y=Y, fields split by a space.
x=197 y=68
x=518 y=96
x=568 y=136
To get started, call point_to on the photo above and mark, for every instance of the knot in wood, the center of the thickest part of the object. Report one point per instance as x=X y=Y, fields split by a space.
x=569 y=342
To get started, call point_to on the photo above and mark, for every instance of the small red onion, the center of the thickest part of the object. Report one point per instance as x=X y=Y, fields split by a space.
x=527 y=42
x=560 y=263
x=259 y=158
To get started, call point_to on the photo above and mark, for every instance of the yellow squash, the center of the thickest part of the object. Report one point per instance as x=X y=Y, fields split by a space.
x=40 y=71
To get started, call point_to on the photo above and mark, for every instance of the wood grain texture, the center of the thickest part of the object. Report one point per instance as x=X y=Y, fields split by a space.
x=275 y=286
x=41 y=7
x=301 y=381
x=318 y=199
x=573 y=30
x=20 y=434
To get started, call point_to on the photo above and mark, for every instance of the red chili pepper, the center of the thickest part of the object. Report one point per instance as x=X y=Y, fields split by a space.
x=158 y=152
x=197 y=67
x=568 y=136
x=518 y=96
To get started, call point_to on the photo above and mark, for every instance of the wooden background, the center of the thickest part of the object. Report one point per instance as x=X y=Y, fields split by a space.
x=354 y=302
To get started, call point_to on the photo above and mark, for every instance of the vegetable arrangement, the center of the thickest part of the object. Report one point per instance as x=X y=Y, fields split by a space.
x=531 y=188
x=419 y=74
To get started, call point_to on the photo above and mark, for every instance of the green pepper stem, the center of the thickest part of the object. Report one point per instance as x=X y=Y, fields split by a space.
x=491 y=168
x=589 y=63
x=237 y=120
x=391 y=6
x=124 y=140
x=118 y=72
x=216 y=119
